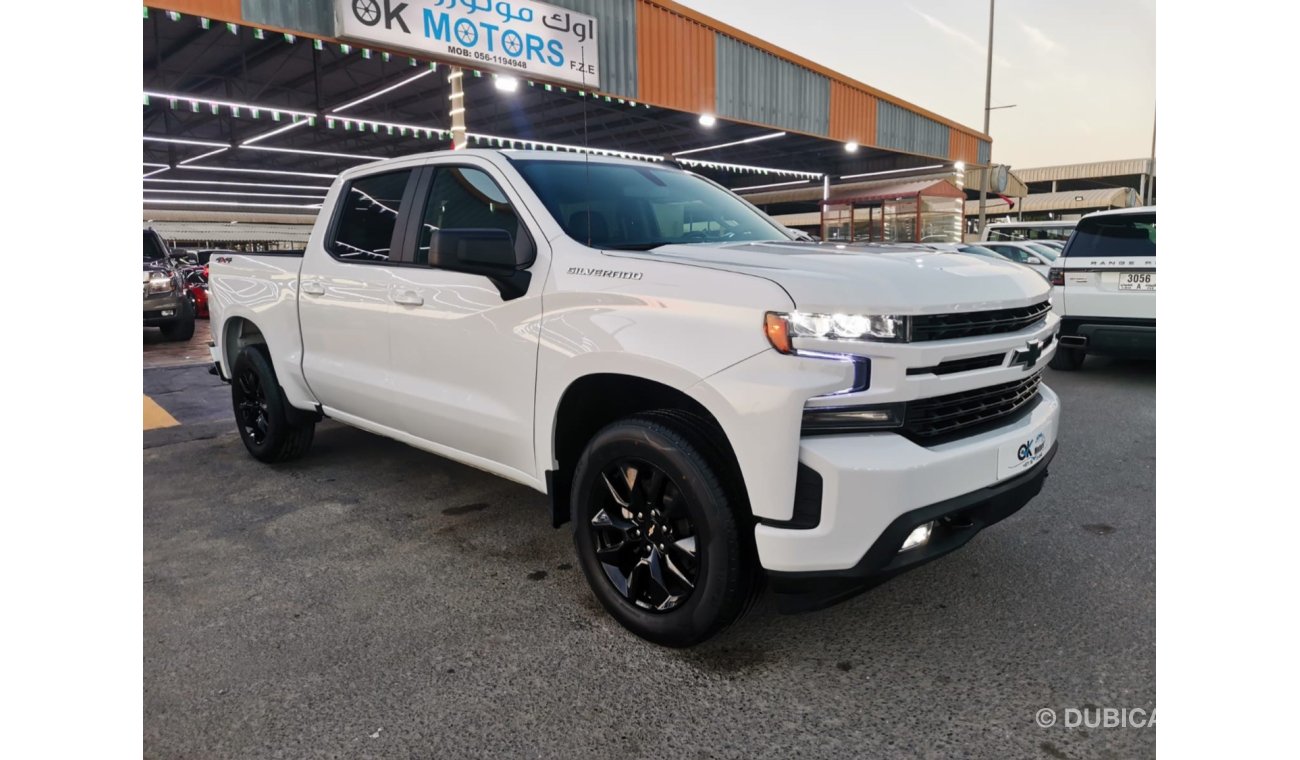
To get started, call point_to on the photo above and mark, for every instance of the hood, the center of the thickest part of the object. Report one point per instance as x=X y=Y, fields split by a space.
x=868 y=278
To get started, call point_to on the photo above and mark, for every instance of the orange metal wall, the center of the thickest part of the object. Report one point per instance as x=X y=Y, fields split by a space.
x=222 y=10
x=676 y=61
x=853 y=115
x=963 y=147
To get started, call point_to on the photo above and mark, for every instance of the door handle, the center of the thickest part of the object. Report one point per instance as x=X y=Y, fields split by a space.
x=408 y=298
x=313 y=288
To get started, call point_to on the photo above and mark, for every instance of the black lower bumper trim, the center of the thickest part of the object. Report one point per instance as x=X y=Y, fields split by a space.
x=957 y=520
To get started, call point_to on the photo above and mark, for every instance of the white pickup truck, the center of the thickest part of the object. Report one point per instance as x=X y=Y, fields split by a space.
x=709 y=402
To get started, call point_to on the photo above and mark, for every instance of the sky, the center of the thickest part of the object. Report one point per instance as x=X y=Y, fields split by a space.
x=1081 y=73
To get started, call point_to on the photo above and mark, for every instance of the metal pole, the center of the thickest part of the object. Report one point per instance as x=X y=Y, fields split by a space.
x=456 y=78
x=1151 y=185
x=988 y=94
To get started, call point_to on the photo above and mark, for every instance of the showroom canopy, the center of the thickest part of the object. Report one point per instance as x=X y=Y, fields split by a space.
x=256 y=106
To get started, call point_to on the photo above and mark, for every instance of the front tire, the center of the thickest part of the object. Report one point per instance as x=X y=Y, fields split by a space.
x=1067 y=359
x=657 y=535
x=270 y=428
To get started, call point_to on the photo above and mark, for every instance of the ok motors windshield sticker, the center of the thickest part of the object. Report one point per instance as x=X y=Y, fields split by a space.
x=611 y=273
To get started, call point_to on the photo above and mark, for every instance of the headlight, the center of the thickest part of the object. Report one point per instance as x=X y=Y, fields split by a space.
x=160 y=283
x=783 y=327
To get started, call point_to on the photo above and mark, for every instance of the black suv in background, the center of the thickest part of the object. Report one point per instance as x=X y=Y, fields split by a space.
x=166 y=303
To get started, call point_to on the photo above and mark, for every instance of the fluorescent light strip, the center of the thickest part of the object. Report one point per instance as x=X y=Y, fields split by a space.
x=384 y=91
x=240 y=184
x=205 y=155
x=179 y=141
x=774 y=184
x=561 y=146
x=188 y=202
x=744 y=168
x=301 y=151
x=390 y=125
x=227 y=103
x=760 y=138
x=274 y=132
x=893 y=171
x=146 y=163
x=245 y=193
x=260 y=171
x=156 y=171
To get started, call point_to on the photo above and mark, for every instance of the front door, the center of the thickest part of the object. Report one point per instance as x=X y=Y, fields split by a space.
x=464 y=358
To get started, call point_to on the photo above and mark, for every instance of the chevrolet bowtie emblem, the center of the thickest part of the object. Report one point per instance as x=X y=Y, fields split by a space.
x=1029 y=355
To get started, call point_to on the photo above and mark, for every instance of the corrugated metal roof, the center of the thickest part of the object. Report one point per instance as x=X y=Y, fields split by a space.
x=233 y=233
x=813 y=192
x=1111 y=197
x=885 y=191
x=756 y=86
x=1087 y=171
x=901 y=129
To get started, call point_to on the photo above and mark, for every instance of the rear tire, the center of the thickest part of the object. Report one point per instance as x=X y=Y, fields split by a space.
x=270 y=428
x=1067 y=359
x=182 y=328
x=656 y=532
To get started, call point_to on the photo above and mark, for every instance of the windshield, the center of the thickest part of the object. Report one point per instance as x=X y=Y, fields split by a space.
x=622 y=206
x=153 y=248
x=1046 y=251
x=1117 y=235
x=979 y=250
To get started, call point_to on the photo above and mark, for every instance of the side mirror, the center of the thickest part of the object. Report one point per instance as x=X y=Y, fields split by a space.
x=489 y=252
x=1033 y=260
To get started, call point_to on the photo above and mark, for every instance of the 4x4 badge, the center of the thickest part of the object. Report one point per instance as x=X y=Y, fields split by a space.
x=1029 y=355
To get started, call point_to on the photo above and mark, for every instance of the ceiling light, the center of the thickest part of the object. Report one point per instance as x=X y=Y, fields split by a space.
x=244 y=193
x=384 y=91
x=851 y=147
x=274 y=132
x=892 y=171
x=260 y=171
x=316 y=188
x=708 y=119
x=507 y=84
x=188 y=161
x=774 y=184
x=301 y=151
x=179 y=141
x=960 y=166
x=730 y=144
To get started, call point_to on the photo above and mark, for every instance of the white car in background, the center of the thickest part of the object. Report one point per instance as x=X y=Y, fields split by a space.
x=1037 y=257
x=1104 y=288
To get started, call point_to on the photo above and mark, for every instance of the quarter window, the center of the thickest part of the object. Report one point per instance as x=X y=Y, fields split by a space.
x=368 y=217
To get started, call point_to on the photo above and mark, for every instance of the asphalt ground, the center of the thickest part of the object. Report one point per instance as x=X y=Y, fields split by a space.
x=371 y=600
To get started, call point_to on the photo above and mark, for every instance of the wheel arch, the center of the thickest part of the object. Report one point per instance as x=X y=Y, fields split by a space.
x=592 y=401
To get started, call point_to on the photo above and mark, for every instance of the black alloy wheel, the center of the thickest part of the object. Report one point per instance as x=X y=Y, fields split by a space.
x=251 y=405
x=660 y=531
x=271 y=429
x=644 y=537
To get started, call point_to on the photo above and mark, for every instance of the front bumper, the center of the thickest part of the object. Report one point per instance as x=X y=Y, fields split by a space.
x=156 y=308
x=869 y=482
x=956 y=521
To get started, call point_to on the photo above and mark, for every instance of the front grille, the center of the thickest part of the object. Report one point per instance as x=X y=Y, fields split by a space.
x=953 y=366
x=974 y=323
x=943 y=416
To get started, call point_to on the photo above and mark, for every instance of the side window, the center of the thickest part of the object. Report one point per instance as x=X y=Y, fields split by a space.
x=462 y=199
x=364 y=231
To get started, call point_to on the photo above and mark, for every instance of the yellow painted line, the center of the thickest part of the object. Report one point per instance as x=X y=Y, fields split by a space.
x=156 y=417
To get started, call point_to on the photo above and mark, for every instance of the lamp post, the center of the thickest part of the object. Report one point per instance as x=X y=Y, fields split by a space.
x=988 y=100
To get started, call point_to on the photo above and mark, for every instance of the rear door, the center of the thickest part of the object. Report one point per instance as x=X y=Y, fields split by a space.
x=344 y=305
x=1109 y=267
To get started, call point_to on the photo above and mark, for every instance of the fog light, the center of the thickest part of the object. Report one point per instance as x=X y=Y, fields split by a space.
x=919 y=536
x=167 y=312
